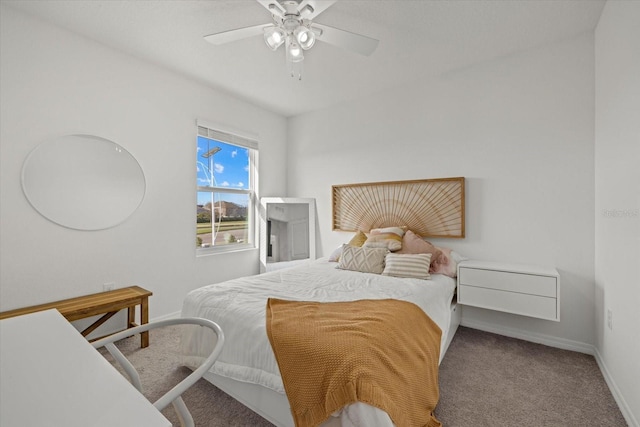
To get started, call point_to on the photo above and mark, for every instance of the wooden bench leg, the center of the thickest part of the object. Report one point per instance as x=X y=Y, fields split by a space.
x=97 y=323
x=131 y=316
x=144 y=318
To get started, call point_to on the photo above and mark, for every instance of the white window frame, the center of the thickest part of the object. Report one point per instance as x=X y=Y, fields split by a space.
x=245 y=140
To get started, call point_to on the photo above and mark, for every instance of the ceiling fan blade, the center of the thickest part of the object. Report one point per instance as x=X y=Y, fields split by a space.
x=351 y=41
x=237 y=34
x=316 y=7
x=273 y=6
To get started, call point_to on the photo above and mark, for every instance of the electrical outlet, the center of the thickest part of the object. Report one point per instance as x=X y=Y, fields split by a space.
x=109 y=286
x=609 y=319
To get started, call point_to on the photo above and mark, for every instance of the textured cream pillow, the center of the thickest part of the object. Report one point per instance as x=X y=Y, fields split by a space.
x=357 y=240
x=407 y=265
x=365 y=260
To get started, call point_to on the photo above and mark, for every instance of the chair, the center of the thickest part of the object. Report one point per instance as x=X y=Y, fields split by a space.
x=173 y=396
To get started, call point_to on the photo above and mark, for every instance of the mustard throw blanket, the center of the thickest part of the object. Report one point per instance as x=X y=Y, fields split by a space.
x=381 y=352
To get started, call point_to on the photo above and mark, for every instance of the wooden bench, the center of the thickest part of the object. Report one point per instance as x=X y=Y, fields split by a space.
x=106 y=303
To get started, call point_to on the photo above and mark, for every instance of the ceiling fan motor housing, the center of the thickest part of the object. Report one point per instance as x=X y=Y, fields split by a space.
x=290 y=23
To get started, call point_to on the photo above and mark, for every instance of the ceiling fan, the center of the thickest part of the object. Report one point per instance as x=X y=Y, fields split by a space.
x=293 y=26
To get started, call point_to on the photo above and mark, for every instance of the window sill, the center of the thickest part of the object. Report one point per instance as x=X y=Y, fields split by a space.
x=216 y=250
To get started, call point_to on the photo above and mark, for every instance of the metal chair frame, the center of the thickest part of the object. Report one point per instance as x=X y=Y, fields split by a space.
x=173 y=396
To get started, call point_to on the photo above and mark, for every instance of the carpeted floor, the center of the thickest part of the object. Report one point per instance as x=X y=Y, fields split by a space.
x=485 y=380
x=492 y=380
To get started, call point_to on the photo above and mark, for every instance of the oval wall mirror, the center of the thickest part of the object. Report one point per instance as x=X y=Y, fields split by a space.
x=83 y=182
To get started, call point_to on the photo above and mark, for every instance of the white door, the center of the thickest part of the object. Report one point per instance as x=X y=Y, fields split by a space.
x=299 y=239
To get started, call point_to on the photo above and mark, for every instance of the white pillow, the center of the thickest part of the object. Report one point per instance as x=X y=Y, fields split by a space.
x=407 y=265
x=457 y=257
x=335 y=255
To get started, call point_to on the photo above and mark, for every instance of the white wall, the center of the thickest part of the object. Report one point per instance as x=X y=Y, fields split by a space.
x=54 y=83
x=520 y=129
x=617 y=231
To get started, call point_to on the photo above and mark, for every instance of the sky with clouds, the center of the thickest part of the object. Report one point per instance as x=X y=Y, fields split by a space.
x=229 y=167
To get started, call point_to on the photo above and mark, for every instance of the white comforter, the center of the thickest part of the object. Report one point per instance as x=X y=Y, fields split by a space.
x=238 y=306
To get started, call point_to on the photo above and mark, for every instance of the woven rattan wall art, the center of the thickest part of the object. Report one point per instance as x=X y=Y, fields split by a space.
x=428 y=207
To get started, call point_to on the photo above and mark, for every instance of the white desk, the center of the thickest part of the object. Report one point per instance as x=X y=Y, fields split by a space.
x=51 y=376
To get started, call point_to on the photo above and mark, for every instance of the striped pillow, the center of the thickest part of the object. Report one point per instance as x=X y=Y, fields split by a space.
x=407 y=265
x=390 y=241
x=389 y=237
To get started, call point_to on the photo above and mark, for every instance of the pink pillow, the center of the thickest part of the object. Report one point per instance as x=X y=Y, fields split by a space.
x=414 y=244
x=444 y=264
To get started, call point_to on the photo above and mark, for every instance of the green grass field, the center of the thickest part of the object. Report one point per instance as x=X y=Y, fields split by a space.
x=224 y=226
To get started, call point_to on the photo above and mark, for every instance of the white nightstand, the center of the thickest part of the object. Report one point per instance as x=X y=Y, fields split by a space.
x=528 y=290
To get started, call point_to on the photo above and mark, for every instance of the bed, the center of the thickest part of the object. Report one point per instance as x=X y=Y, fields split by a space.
x=388 y=259
x=247 y=369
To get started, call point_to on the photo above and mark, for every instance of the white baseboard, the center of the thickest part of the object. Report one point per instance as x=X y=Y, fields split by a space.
x=615 y=391
x=564 y=344
x=549 y=340
x=173 y=315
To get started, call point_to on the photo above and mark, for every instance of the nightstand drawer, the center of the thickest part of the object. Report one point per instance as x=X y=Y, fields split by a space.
x=528 y=290
x=508 y=281
x=511 y=302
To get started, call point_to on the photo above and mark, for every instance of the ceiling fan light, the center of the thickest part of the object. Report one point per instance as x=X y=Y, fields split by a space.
x=273 y=37
x=305 y=37
x=294 y=52
x=306 y=10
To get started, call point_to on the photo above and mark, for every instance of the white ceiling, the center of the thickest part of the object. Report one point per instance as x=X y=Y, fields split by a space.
x=417 y=38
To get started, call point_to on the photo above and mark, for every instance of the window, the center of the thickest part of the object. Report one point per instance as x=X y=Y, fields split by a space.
x=226 y=167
